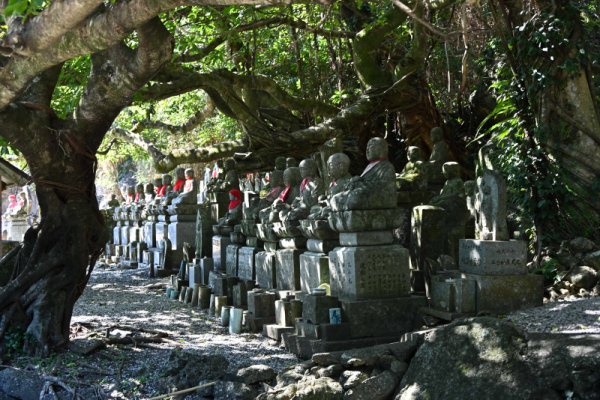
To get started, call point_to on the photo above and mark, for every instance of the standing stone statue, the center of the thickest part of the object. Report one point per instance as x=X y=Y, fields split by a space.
x=439 y=155
x=490 y=204
x=375 y=188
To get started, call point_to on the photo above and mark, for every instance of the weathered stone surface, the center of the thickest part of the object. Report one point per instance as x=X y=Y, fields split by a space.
x=20 y=384
x=451 y=293
x=219 y=251
x=592 y=260
x=150 y=233
x=272 y=247
x=490 y=257
x=351 y=378
x=379 y=387
x=321 y=246
x=261 y=304
x=371 y=238
x=382 y=317
x=287 y=267
x=298 y=242
x=265 y=269
x=366 y=220
x=369 y=272
x=188 y=368
x=504 y=293
x=399 y=368
x=314 y=270
x=256 y=373
x=332 y=371
x=583 y=277
x=227 y=390
x=182 y=231
x=428 y=240
x=315 y=308
x=246 y=269
x=582 y=245
x=326 y=359
x=231 y=259
x=477 y=358
x=491 y=207
x=311 y=388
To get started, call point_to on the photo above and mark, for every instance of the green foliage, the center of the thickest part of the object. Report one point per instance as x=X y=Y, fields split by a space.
x=549 y=269
x=24 y=8
x=70 y=86
x=12 y=342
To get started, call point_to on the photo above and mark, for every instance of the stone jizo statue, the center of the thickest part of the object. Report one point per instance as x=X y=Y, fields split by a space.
x=490 y=205
x=375 y=188
x=291 y=179
x=231 y=179
x=413 y=175
x=234 y=210
x=439 y=155
x=149 y=193
x=311 y=187
x=291 y=162
x=179 y=180
x=190 y=190
x=280 y=163
x=113 y=202
x=338 y=165
x=139 y=193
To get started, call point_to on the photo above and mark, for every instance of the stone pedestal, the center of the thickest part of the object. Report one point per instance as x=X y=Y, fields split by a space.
x=182 y=228
x=219 y=201
x=265 y=269
x=219 y=251
x=314 y=270
x=231 y=259
x=493 y=257
x=150 y=233
x=125 y=233
x=135 y=233
x=369 y=272
x=246 y=270
x=117 y=233
x=287 y=266
x=261 y=310
x=428 y=240
x=162 y=228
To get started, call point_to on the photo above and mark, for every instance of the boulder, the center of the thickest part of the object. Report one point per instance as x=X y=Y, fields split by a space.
x=583 y=277
x=475 y=358
x=311 y=388
x=226 y=390
x=592 y=260
x=326 y=359
x=20 y=384
x=333 y=371
x=379 y=387
x=582 y=245
x=187 y=368
x=256 y=373
x=352 y=378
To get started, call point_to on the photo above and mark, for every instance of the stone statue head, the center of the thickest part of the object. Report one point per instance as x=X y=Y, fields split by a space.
x=139 y=188
x=166 y=179
x=338 y=165
x=451 y=170
x=280 y=163
x=291 y=162
x=179 y=173
x=415 y=154
x=377 y=148
x=436 y=134
x=308 y=168
x=157 y=182
x=149 y=188
x=189 y=173
x=292 y=176
x=276 y=178
x=229 y=164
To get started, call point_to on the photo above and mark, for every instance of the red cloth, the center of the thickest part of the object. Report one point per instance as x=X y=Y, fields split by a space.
x=178 y=185
x=129 y=199
x=237 y=198
x=371 y=165
x=161 y=190
x=303 y=184
x=189 y=185
x=137 y=197
x=284 y=193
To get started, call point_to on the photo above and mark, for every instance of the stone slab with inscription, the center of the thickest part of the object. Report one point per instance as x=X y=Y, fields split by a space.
x=150 y=233
x=314 y=270
x=246 y=269
x=180 y=232
x=493 y=257
x=287 y=267
x=371 y=238
x=504 y=293
x=369 y=272
x=231 y=259
x=219 y=251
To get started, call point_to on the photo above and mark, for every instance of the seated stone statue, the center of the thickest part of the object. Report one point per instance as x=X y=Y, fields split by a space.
x=231 y=179
x=311 y=188
x=454 y=187
x=413 y=175
x=280 y=163
x=291 y=180
x=130 y=194
x=190 y=190
x=234 y=210
x=276 y=187
x=179 y=181
x=113 y=202
x=157 y=184
x=375 y=188
x=338 y=165
x=439 y=155
x=149 y=193
x=139 y=193
x=291 y=162
x=165 y=185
